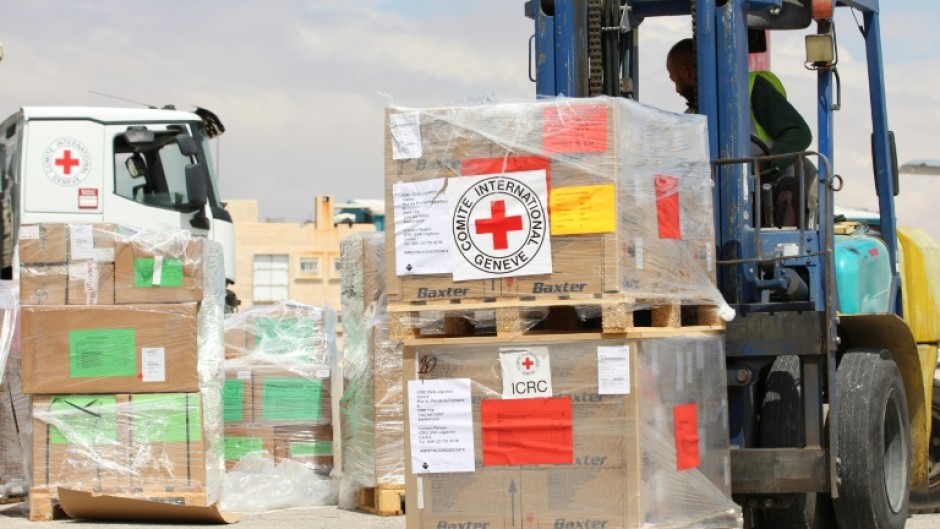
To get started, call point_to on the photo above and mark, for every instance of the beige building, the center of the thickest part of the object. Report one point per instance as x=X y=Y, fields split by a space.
x=278 y=261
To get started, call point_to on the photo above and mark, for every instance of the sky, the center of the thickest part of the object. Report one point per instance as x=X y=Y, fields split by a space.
x=302 y=86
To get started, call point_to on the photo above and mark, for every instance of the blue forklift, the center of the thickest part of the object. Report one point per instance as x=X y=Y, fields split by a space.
x=830 y=414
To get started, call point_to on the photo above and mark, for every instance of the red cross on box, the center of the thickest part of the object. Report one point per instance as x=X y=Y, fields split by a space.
x=528 y=363
x=67 y=162
x=499 y=225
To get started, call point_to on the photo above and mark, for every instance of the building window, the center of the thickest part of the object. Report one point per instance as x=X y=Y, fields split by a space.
x=309 y=265
x=271 y=277
x=337 y=267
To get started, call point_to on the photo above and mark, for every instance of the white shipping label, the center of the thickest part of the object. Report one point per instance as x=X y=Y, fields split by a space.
x=613 y=370
x=153 y=364
x=527 y=373
x=422 y=238
x=81 y=242
x=103 y=255
x=406 y=135
x=244 y=375
x=499 y=225
x=441 y=426
x=29 y=233
x=323 y=373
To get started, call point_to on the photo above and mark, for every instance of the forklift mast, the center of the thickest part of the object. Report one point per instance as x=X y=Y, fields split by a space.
x=780 y=280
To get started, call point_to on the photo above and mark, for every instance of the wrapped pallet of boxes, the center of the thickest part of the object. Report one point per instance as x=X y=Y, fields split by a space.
x=278 y=405
x=569 y=431
x=556 y=199
x=125 y=370
x=372 y=405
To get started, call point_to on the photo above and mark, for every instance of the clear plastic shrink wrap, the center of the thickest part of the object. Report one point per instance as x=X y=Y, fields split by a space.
x=15 y=407
x=280 y=370
x=629 y=434
x=126 y=369
x=559 y=198
x=371 y=408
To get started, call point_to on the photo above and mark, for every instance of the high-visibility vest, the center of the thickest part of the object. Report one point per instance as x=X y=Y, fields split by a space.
x=775 y=82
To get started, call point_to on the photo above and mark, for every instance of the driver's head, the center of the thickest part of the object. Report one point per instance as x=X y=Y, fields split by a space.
x=680 y=63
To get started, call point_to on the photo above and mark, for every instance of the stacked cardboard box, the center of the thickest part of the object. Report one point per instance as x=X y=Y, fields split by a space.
x=626 y=427
x=122 y=353
x=278 y=384
x=552 y=199
x=372 y=405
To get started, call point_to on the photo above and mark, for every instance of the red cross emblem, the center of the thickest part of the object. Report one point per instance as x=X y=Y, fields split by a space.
x=528 y=363
x=499 y=225
x=66 y=162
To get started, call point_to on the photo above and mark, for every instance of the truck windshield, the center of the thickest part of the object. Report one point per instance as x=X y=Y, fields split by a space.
x=154 y=172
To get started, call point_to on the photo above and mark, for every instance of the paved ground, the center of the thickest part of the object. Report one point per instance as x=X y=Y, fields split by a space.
x=311 y=518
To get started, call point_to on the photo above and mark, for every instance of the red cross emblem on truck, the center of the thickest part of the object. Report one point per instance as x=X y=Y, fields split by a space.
x=499 y=225
x=66 y=162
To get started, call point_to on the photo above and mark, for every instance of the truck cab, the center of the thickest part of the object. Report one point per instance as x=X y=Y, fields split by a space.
x=142 y=168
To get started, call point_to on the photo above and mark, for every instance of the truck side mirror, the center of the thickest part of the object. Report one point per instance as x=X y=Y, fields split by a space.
x=198 y=192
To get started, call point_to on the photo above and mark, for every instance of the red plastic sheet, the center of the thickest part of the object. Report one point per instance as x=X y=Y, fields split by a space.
x=535 y=431
x=574 y=128
x=667 y=207
x=685 y=421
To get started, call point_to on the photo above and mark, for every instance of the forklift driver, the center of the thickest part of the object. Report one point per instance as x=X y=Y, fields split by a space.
x=774 y=122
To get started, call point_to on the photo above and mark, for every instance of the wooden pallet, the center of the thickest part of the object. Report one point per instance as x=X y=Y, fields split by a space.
x=508 y=318
x=384 y=500
x=44 y=502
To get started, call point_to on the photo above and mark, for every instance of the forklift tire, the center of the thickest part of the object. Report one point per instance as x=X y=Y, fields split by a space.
x=929 y=501
x=874 y=446
x=781 y=426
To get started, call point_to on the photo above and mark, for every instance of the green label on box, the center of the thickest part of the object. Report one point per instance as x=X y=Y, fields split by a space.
x=233 y=401
x=166 y=418
x=98 y=353
x=284 y=336
x=171 y=272
x=290 y=399
x=85 y=421
x=238 y=447
x=311 y=448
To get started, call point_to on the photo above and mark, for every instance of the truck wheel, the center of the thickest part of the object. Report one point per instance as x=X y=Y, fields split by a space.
x=781 y=426
x=874 y=447
x=929 y=501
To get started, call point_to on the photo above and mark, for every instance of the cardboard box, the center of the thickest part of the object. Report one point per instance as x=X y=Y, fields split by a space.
x=603 y=425
x=80 y=440
x=92 y=242
x=15 y=415
x=629 y=189
x=634 y=452
x=286 y=397
x=43 y=284
x=110 y=349
x=120 y=442
x=238 y=405
x=310 y=445
x=299 y=333
x=241 y=440
x=236 y=342
x=168 y=441
x=91 y=283
x=43 y=244
x=166 y=273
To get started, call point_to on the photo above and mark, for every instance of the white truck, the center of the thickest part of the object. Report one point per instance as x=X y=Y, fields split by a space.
x=142 y=167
